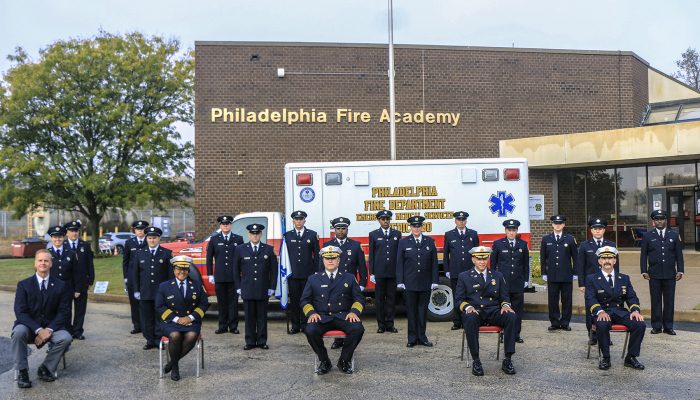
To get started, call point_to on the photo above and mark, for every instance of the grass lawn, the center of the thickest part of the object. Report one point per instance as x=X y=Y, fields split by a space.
x=106 y=269
x=697 y=307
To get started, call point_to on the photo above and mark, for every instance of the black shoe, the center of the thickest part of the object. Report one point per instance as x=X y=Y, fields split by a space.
x=508 y=367
x=79 y=337
x=338 y=343
x=392 y=330
x=455 y=327
x=670 y=332
x=632 y=362
x=477 y=369
x=149 y=346
x=324 y=367
x=566 y=328
x=175 y=374
x=135 y=331
x=344 y=366
x=220 y=331
x=553 y=328
x=23 y=379
x=249 y=347
x=381 y=330
x=44 y=374
x=655 y=331
x=264 y=346
x=294 y=331
x=519 y=340
x=167 y=368
x=427 y=343
x=604 y=364
x=410 y=344
x=592 y=342
x=235 y=331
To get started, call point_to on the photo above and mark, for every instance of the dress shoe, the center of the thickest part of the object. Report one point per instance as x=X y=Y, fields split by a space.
x=167 y=368
x=135 y=331
x=264 y=346
x=79 y=337
x=44 y=374
x=23 y=379
x=553 y=328
x=294 y=331
x=670 y=332
x=655 y=331
x=592 y=342
x=507 y=366
x=455 y=327
x=427 y=343
x=381 y=330
x=566 y=328
x=344 y=366
x=604 y=364
x=220 y=331
x=632 y=362
x=410 y=344
x=392 y=330
x=149 y=346
x=477 y=369
x=249 y=347
x=519 y=340
x=324 y=367
x=337 y=344
x=175 y=373
x=235 y=331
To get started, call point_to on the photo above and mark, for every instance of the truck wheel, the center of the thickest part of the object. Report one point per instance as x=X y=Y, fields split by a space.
x=441 y=305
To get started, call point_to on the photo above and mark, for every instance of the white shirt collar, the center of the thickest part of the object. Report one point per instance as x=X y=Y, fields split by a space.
x=57 y=248
x=179 y=282
x=328 y=273
x=301 y=231
x=39 y=279
x=663 y=231
x=605 y=274
x=151 y=249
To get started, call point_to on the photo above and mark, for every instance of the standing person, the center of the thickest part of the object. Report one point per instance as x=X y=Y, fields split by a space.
x=557 y=260
x=662 y=265
x=352 y=258
x=64 y=266
x=153 y=268
x=129 y=268
x=417 y=275
x=220 y=251
x=42 y=304
x=86 y=267
x=587 y=263
x=303 y=248
x=456 y=259
x=511 y=257
x=255 y=270
x=383 y=244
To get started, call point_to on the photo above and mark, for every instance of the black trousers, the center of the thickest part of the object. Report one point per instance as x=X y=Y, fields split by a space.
x=135 y=309
x=385 y=300
x=149 y=325
x=255 y=322
x=227 y=298
x=314 y=334
x=416 y=313
x=296 y=287
x=80 y=305
x=555 y=292
x=663 y=294
x=517 y=301
x=636 y=334
x=508 y=321
x=456 y=314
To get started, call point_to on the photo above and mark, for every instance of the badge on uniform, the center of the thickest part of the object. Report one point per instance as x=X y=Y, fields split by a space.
x=265 y=256
x=409 y=248
x=601 y=291
x=566 y=245
x=395 y=238
x=378 y=239
x=161 y=261
x=246 y=258
x=194 y=296
x=324 y=286
x=349 y=252
x=68 y=258
x=82 y=250
x=670 y=240
x=170 y=297
x=624 y=290
x=345 y=284
x=493 y=282
x=476 y=286
x=308 y=240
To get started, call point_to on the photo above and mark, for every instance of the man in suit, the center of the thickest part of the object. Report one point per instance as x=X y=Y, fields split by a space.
x=456 y=259
x=302 y=247
x=255 y=270
x=332 y=300
x=661 y=260
x=220 y=252
x=483 y=299
x=85 y=267
x=558 y=252
x=383 y=244
x=511 y=257
x=607 y=292
x=42 y=304
x=153 y=268
x=129 y=267
x=64 y=266
x=417 y=275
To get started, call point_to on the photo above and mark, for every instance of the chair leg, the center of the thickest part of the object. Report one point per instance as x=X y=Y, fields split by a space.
x=498 y=346
x=624 y=346
x=160 y=360
x=63 y=357
x=463 y=336
x=201 y=353
x=590 y=335
x=199 y=357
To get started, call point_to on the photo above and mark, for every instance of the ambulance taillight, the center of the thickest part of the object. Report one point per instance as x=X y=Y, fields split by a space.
x=511 y=174
x=305 y=179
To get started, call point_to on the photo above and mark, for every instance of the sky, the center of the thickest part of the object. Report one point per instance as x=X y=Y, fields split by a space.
x=656 y=31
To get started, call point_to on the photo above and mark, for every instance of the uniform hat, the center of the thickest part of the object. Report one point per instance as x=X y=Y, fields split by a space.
x=72 y=226
x=57 y=230
x=384 y=214
x=480 y=252
x=154 y=231
x=181 y=262
x=606 y=251
x=330 y=252
x=511 y=224
x=597 y=223
x=140 y=224
x=461 y=215
x=340 y=222
x=299 y=214
x=224 y=219
x=557 y=219
x=255 y=228
x=416 y=220
x=658 y=214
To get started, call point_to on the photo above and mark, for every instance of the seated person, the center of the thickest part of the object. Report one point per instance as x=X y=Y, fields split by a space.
x=607 y=292
x=181 y=303
x=333 y=300
x=483 y=299
x=42 y=306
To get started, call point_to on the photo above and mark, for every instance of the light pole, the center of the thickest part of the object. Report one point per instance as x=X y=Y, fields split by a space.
x=392 y=107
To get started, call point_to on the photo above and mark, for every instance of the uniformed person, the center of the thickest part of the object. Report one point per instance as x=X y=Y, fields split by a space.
x=511 y=257
x=383 y=243
x=332 y=300
x=181 y=303
x=557 y=259
x=302 y=247
x=417 y=275
x=220 y=251
x=607 y=292
x=661 y=260
x=85 y=267
x=456 y=258
x=587 y=261
x=482 y=295
x=255 y=269
x=153 y=268
x=129 y=268
x=64 y=266
x=352 y=258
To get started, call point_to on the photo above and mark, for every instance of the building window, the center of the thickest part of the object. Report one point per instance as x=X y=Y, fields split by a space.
x=672 y=175
x=600 y=198
x=632 y=214
x=663 y=114
x=689 y=111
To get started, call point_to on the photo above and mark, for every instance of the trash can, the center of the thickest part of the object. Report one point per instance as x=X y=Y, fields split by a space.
x=27 y=247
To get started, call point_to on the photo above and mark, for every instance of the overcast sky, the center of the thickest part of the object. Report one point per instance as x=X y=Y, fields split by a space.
x=656 y=31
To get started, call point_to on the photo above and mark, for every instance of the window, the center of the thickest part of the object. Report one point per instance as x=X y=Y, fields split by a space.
x=632 y=196
x=662 y=114
x=689 y=111
x=671 y=175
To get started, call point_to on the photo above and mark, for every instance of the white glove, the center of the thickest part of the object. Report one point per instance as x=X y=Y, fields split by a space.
x=238 y=291
x=401 y=286
x=211 y=279
x=270 y=292
x=544 y=278
x=362 y=288
x=525 y=284
x=447 y=274
x=137 y=295
x=575 y=277
x=125 y=280
x=433 y=286
x=371 y=279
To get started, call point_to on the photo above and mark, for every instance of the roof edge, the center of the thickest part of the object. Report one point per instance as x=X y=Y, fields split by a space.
x=674 y=79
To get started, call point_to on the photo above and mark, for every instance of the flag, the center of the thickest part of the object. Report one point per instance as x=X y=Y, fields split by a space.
x=283 y=272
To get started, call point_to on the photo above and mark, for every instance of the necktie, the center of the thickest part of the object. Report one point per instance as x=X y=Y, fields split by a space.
x=512 y=244
x=58 y=253
x=599 y=243
x=483 y=277
x=140 y=243
x=332 y=278
x=43 y=285
x=75 y=245
x=153 y=252
x=183 y=289
x=226 y=238
x=43 y=292
x=342 y=242
x=418 y=242
x=298 y=234
x=461 y=234
x=386 y=234
x=661 y=235
x=557 y=238
x=255 y=249
x=610 y=281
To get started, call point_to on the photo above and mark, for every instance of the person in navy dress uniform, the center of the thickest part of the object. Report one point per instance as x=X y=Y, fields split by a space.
x=42 y=304
x=587 y=262
x=181 y=303
x=220 y=252
x=417 y=275
x=255 y=269
x=558 y=260
x=64 y=266
x=511 y=257
x=661 y=260
x=482 y=295
x=332 y=300
x=129 y=267
x=383 y=244
x=352 y=258
x=152 y=269
x=86 y=267
x=607 y=292
x=456 y=258
x=302 y=247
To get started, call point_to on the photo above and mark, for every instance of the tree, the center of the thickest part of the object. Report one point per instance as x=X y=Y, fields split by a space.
x=89 y=127
x=689 y=68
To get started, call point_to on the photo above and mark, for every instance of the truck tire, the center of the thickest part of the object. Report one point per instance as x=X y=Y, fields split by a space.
x=441 y=304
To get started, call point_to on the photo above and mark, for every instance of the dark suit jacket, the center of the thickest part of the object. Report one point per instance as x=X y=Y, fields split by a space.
x=65 y=268
x=661 y=259
x=352 y=259
x=303 y=254
x=34 y=313
x=255 y=274
x=152 y=271
x=513 y=263
x=600 y=296
x=129 y=266
x=171 y=304
x=417 y=268
x=334 y=300
x=558 y=258
x=220 y=257
x=382 y=253
x=486 y=296
x=456 y=258
x=85 y=265
x=587 y=261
